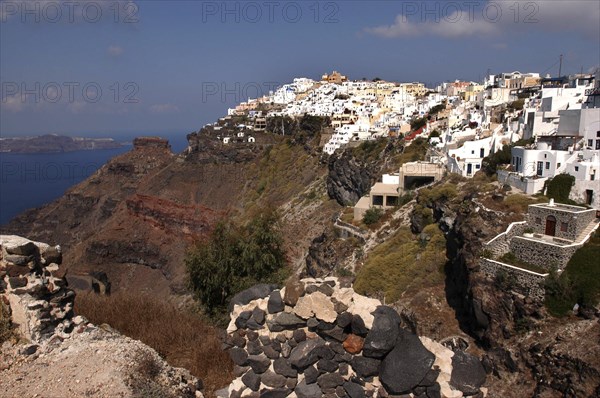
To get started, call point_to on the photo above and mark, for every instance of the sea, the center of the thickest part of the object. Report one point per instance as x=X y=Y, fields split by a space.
x=33 y=180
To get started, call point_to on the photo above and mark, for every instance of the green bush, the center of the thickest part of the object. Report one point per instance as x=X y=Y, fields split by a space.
x=372 y=215
x=579 y=283
x=235 y=258
x=417 y=123
x=559 y=188
x=516 y=105
x=404 y=263
x=490 y=163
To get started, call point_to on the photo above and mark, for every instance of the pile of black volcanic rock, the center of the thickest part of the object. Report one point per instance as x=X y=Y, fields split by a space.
x=318 y=338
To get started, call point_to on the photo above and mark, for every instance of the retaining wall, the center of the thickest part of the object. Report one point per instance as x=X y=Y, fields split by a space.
x=528 y=283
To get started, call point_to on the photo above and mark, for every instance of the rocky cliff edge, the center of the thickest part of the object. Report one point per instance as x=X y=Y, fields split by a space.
x=53 y=353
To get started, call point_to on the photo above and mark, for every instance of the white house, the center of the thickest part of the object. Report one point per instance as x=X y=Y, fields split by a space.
x=467 y=159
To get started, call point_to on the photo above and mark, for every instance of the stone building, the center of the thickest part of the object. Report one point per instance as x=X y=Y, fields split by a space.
x=560 y=220
x=545 y=241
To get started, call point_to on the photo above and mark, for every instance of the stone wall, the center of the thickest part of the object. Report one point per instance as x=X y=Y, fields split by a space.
x=35 y=288
x=528 y=283
x=542 y=254
x=500 y=245
x=318 y=338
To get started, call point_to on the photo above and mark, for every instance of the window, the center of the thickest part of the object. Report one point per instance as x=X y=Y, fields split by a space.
x=597 y=144
x=377 y=200
x=598 y=134
x=590 y=143
x=477 y=166
x=576 y=168
x=545 y=156
x=558 y=165
x=564 y=226
x=391 y=201
x=538 y=220
x=547 y=165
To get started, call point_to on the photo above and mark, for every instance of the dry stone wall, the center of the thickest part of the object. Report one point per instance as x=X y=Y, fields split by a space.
x=34 y=287
x=542 y=254
x=500 y=245
x=318 y=338
x=528 y=283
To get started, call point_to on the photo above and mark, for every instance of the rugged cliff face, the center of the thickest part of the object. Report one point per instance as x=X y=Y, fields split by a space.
x=349 y=179
x=524 y=345
x=135 y=217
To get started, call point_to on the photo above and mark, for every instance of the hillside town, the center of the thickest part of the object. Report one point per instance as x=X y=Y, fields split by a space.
x=551 y=124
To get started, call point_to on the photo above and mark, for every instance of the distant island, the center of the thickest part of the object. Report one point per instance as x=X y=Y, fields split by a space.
x=54 y=143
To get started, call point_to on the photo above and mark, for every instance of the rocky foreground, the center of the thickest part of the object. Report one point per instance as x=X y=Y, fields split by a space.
x=318 y=338
x=56 y=354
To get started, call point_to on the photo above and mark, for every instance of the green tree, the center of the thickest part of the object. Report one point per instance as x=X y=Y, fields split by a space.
x=559 y=188
x=234 y=258
x=372 y=215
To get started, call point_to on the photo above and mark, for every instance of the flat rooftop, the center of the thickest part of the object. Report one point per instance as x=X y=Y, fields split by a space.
x=562 y=207
x=388 y=189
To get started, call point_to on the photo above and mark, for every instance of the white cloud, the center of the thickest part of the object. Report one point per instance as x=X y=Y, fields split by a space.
x=115 y=51
x=164 y=108
x=458 y=19
x=76 y=107
x=12 y=103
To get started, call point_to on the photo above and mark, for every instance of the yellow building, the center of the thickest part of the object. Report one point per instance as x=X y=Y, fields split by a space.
x=335 y=77
x=415 y=88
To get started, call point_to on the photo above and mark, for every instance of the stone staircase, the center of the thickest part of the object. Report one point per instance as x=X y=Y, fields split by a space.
x=591 y=227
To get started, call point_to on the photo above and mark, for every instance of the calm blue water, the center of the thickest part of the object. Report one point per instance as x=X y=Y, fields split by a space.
x=32 y=180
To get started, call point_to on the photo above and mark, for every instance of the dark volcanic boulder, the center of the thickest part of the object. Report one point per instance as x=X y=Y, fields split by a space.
x=275 y=393
x=238 y=356
x=253 y=293
x=306 y=353
x=251 y=380
x=330 y=380
x=358 y=326
x=275 y=303
x=406 y=365
x=272 y=379
x=382 y=336
x=285 y=320
x=282 y=366
x=365 y=367
x=354 y=390
x=468 y=373
x=259 y=363
x=304 y=390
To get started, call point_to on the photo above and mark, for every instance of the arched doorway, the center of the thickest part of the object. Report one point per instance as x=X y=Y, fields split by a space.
x=550 y=225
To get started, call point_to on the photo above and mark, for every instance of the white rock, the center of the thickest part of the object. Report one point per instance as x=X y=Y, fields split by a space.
x=236 y=385
x=317 y=304
x=447 y=392
x=343 y=295
x=363 y=306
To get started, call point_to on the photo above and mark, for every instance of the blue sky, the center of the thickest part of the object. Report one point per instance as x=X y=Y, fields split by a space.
x=176 y=65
